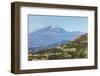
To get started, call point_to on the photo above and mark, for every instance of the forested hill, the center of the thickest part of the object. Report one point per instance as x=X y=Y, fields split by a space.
x=78 y=48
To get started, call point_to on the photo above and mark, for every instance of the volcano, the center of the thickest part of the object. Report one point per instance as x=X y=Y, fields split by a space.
x=50 y=36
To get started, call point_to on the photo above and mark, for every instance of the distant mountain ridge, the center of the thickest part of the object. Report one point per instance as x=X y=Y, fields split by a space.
x=49 y=36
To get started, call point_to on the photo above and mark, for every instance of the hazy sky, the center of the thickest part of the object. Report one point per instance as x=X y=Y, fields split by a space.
x=70 y=23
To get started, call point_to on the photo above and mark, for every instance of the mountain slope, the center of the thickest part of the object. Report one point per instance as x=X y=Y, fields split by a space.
x=77 y=48
x=49 y=36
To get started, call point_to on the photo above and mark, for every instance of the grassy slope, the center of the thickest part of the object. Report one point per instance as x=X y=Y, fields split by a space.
x=74 y=49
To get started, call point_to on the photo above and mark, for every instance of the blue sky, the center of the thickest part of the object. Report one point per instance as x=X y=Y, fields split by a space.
x=69 y=23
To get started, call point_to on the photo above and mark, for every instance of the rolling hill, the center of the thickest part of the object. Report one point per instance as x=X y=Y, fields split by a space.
x=77 y=48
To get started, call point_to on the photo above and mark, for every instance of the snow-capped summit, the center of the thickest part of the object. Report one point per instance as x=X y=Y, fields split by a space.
x=53 y=27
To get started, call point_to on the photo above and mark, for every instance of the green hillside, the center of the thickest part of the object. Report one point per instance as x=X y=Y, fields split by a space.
x=73 y=50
